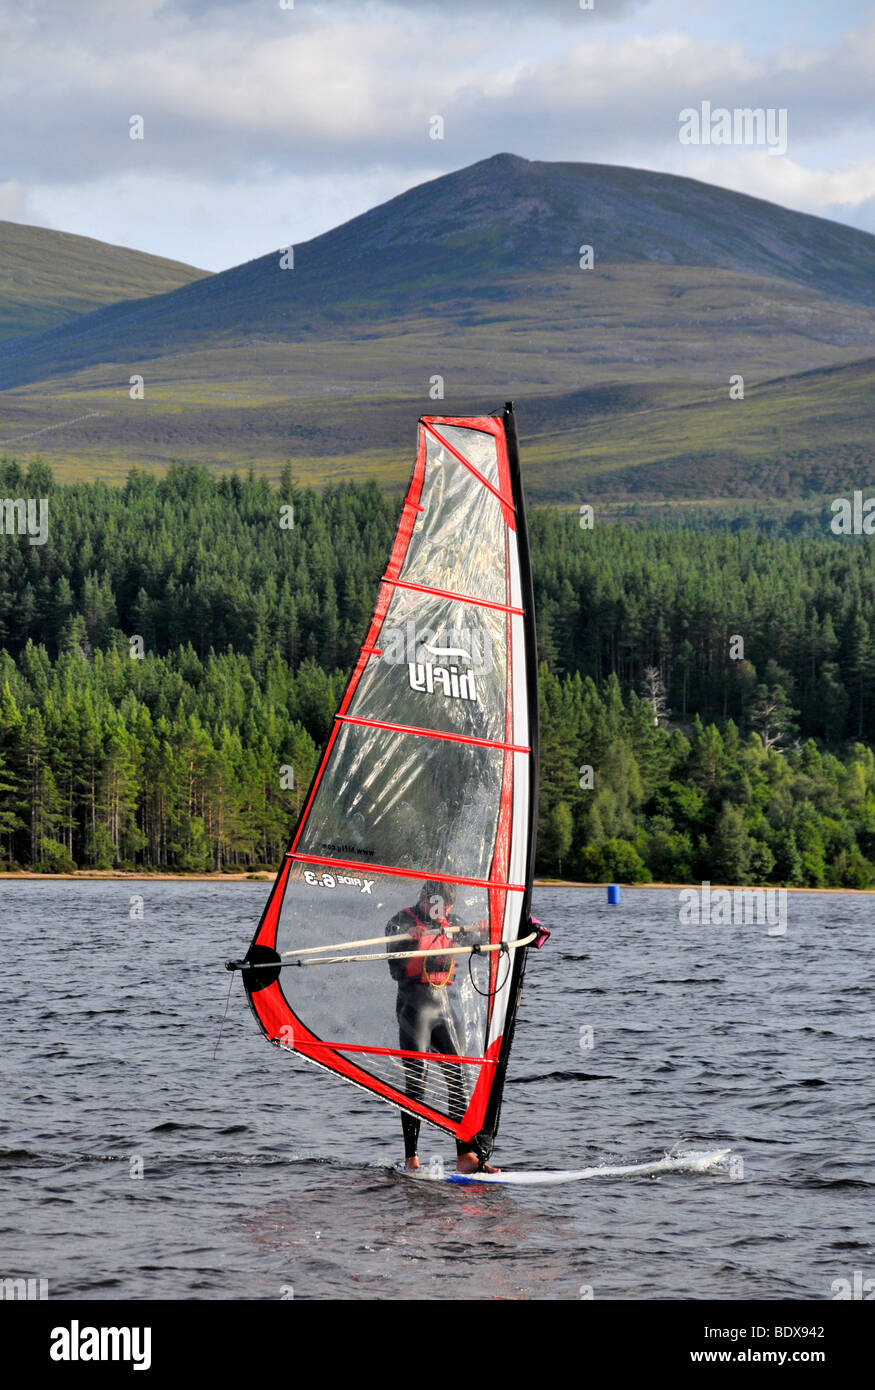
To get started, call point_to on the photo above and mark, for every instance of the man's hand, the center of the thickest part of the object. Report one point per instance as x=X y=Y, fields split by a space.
x=474 y=930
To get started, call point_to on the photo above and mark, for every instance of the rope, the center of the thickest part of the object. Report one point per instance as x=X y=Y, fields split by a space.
x=504 y=949
x=224 y=1016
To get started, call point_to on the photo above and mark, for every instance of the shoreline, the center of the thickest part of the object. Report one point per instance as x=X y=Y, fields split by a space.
x=141 y=876
x=677 y=887
x=265 y=876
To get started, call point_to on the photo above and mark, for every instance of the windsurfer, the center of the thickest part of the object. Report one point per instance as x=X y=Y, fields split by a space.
x=427 y=1020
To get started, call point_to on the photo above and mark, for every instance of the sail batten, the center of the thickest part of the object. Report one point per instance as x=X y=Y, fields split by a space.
x=446 y=593
x=407 y=873
x=431 y=761
x=466 y=463
x=432 y=733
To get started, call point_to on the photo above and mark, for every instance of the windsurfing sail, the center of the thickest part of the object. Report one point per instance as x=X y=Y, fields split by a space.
x=426 y=791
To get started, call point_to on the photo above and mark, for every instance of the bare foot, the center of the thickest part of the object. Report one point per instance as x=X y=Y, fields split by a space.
x=412 y=1162
x=470 y=1163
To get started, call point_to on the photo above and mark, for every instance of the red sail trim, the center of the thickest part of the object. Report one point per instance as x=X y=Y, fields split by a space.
x=404 y=873
x=274 y=1014
x=445 y=443
x=401 y=1052
x=431 y=733
x=471 y=1122
x=266 y=934
x=447 y=593
x=396 y=561
x=483 y=424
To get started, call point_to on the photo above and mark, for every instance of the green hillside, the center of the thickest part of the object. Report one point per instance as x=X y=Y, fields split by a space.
x=471 y=284
x=48 y=278
x=804 y=436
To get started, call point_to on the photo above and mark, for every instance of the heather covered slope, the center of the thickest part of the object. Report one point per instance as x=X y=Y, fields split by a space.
x=48 y=278
x=474 y=278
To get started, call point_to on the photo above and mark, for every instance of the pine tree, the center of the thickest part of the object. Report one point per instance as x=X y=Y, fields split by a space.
x=731 y=846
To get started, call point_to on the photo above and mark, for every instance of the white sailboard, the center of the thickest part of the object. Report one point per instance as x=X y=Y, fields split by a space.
x=694 y=1162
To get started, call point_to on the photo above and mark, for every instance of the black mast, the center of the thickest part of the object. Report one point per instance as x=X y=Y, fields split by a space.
x=486 y=1138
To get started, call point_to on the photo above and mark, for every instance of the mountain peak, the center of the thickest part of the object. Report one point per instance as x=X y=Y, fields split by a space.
x=506 y=212
x=502 y=238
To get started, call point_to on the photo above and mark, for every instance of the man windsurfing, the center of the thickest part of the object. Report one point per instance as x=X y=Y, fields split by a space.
x=426 y=1010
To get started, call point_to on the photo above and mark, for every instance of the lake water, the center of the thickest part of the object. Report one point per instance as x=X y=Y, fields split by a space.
x=262 y=1175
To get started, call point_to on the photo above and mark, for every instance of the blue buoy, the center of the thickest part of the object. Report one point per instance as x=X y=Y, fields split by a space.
x=614 y=894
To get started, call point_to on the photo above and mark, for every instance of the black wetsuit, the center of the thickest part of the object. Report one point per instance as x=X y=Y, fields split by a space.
x=426 y=1023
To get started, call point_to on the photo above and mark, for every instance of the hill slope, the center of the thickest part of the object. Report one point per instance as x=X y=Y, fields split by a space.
x=472 y=278
x=48 y=277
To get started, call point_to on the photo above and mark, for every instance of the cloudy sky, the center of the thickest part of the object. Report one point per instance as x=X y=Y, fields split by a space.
x=266 y=122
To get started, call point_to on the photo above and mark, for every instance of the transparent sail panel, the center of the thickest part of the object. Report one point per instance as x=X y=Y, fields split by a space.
x=443 y=665
x=477 y=446
x=384 y=1003
x=458 y=541
x=407 y=801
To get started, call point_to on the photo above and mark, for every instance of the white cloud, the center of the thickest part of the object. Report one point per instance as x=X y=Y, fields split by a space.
x=844 y=192
x=247 y=106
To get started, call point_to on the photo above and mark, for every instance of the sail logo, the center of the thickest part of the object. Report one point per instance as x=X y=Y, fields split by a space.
x=326 y=880
x=449 y=679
